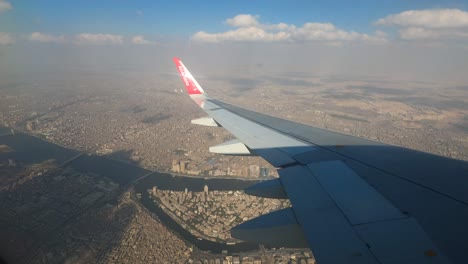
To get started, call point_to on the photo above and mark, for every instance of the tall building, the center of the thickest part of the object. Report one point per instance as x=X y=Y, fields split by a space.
x=205 y=189
x=175 y=166
x=30 y=126
x=182 y=166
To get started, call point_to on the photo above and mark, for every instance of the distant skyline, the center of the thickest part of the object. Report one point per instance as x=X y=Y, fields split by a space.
x=148 y=22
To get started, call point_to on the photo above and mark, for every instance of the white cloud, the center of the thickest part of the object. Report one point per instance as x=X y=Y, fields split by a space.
x=140 y=40
x=326 y=32
x=249 y=29
x=98 y=39
x=241 y=34
x=429 y=24
x=46 y=38
x=243 y=20
x=6 y=38
x=429 y=18
x=4 y=6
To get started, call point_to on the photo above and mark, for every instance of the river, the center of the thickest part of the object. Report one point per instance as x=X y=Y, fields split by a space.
x=30 y=149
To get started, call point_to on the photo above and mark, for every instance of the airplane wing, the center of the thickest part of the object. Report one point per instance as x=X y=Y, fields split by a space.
x=353 y=200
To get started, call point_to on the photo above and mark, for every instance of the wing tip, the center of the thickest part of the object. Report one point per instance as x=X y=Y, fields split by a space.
x=193 y=88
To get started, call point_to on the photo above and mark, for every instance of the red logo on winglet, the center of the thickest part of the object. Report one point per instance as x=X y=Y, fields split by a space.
x=186 y=77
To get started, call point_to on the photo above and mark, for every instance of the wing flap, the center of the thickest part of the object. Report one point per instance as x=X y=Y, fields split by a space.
x=400 y=241
x=327 y=230
x=359 y=201
x=340 y=211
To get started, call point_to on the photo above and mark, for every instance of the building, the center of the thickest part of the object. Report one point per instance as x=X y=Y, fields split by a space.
x=245 y=172
x=30 y=126
x=264 y=172
x=175 y=166
x=182 y=166
x=254 y=170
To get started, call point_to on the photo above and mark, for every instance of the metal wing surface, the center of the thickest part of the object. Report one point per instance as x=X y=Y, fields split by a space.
x=353 y=200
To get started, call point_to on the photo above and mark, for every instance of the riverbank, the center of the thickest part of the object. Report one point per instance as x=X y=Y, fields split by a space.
x=30 y=149
x=6 y=131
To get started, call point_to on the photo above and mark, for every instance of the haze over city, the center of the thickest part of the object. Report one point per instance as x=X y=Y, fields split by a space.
x=98 y=156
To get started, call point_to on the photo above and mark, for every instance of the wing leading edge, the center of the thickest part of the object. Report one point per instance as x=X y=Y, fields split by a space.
x=356 y=200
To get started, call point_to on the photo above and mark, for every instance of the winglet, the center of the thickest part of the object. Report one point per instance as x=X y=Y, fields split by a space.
x=191 y=84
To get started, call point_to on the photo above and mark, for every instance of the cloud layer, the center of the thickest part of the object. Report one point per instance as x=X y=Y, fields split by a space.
x=429 y=25
x=6 y=39
x=140 y=40
x=249 y=29
x=98 y=39
x=81 y=39
x=46 y=38
x=4 y=6
x=432 y=18
x=435 y=24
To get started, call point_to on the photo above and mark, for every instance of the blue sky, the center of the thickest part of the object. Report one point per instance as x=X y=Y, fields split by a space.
x=183 y=18
x=415 y=39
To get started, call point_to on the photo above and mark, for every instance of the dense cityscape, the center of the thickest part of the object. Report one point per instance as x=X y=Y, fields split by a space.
x=211 y=215
x=89 y=217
